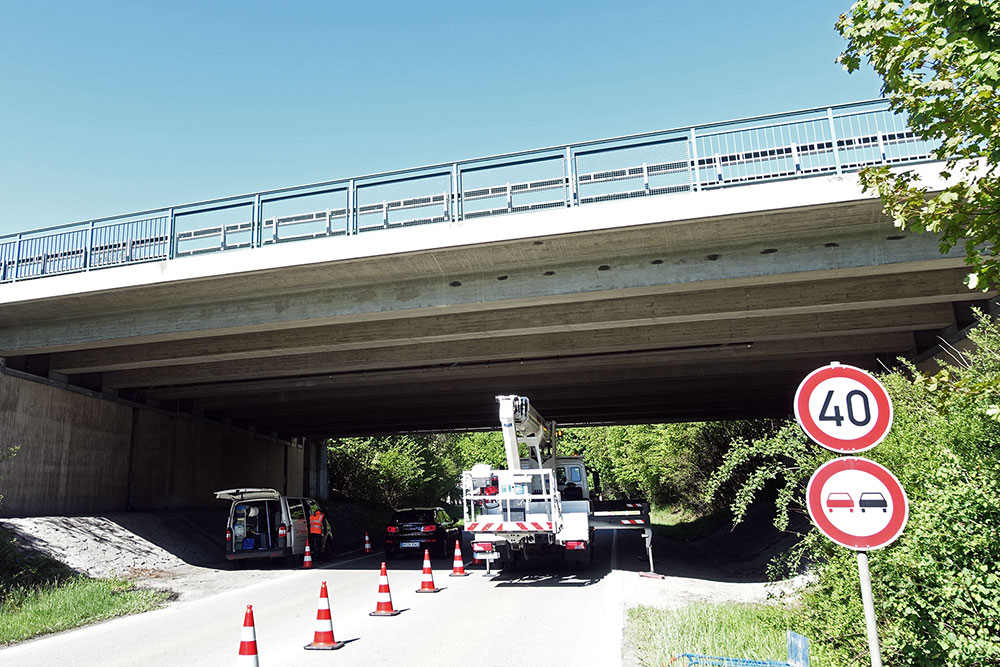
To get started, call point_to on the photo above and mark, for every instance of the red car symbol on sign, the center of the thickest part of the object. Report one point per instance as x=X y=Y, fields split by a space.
x=839 y=501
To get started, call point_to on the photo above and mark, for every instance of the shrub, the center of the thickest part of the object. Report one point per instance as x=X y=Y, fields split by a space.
x=935 y=590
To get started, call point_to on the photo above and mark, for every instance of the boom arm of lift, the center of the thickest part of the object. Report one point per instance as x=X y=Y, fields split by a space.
x=521 y=423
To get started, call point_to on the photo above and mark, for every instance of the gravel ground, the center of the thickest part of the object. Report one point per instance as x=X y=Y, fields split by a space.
x=176 y=551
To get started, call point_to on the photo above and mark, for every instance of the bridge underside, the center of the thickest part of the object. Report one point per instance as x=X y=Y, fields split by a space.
x=691 y=307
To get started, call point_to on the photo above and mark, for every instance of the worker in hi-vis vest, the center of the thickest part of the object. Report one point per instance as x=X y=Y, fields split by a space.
x=316 y=531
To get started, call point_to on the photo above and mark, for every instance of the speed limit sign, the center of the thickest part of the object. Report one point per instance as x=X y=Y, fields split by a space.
x=843 y=408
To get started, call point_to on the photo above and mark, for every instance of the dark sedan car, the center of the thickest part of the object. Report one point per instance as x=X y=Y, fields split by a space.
x=413 y=530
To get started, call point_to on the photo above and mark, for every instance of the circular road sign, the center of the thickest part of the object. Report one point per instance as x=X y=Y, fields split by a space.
x=843 y=408
x=857 y=503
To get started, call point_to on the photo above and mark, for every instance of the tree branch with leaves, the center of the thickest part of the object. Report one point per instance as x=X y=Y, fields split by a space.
x=939 y=61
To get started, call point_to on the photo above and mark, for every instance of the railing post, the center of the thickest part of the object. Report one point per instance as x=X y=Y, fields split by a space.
x=385 y=213
x=881 y=146
x=329 y=228
x=17 y=256
x=797 y=166
x=350 y=224
x=256 y=223
x=88 y=253
x=645 y=177
x=572 y=197
x=718 y=167
x=171 y=234
x=833 y=137
x=455 y=214
x=695 y=171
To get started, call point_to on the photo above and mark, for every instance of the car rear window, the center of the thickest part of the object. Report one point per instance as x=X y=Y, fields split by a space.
x=414 y=516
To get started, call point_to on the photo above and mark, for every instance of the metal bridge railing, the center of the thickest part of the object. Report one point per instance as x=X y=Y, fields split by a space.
x=792 y=145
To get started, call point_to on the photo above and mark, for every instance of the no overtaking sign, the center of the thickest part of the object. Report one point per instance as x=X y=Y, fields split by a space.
x=857 y=503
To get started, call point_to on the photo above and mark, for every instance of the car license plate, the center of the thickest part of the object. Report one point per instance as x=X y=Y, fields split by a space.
x=409 y=545
x=487 y=555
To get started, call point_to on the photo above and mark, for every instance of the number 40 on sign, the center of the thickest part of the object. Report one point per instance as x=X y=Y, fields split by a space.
x=843 y=408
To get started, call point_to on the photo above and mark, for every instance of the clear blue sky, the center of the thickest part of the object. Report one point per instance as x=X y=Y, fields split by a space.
x=111 y=107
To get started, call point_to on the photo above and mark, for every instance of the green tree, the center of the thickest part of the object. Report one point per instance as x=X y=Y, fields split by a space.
x=939 y=61
x=392 y=470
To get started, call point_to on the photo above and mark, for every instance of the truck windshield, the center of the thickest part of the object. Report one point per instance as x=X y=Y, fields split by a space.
x=571 y=474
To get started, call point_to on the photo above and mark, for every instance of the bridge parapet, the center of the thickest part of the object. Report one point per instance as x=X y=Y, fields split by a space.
x=798 y=144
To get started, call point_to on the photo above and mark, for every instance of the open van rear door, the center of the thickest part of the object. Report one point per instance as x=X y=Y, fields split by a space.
x=247 y=494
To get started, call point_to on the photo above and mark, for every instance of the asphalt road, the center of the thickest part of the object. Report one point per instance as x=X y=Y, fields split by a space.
x=539 y=614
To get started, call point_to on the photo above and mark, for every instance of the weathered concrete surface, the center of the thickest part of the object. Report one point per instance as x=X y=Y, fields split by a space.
x=73 y=450
x=82 y=454
x=178 y=462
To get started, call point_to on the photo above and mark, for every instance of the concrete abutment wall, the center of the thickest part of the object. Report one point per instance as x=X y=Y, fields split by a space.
x=81 y=454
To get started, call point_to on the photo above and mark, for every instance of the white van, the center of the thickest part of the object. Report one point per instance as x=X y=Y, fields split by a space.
x=265 y=524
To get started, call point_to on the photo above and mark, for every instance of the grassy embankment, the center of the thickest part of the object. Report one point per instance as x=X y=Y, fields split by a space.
x=39 y=595
x=753 y=631
x=730 y=630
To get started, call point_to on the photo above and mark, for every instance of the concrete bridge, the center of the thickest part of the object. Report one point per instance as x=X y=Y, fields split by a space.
x=689 y=274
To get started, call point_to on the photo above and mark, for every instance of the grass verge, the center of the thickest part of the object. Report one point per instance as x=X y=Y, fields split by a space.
x=730 y=630
x=39 y=595
x=26 y=613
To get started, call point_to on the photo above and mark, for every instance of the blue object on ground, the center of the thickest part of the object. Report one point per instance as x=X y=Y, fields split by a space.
x=798 y=656
x=717 y=661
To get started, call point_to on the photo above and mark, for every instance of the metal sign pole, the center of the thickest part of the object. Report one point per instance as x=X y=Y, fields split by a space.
x=869 y=604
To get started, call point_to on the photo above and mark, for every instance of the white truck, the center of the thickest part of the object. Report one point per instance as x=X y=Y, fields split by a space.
x=541 y=503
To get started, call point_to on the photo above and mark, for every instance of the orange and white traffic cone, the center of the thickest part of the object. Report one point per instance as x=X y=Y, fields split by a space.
x=384 y=605
x=307 y=560
x=323 y=633
x=427 y=585
x=368 y=544
x=458 y=565
x=248 y=642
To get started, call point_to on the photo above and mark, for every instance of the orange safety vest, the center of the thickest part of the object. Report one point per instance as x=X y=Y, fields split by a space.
x=316 y=523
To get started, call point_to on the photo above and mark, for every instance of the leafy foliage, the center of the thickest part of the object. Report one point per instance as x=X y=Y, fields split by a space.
x=667 y=464
x=392 y=470
x=935 y=588
x=939 y=61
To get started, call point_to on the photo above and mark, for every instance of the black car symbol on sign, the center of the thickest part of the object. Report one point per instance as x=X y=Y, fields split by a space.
x=873 y=499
